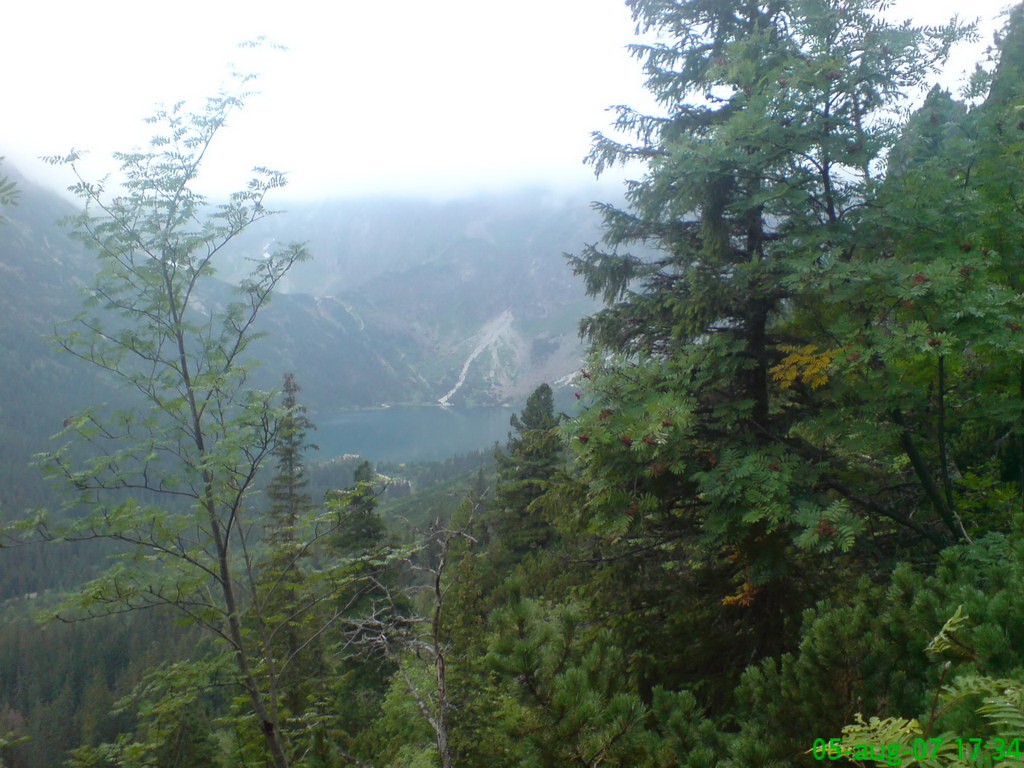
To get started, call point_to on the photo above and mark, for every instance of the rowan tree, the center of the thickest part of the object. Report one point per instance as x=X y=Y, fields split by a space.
x=172 y=469
x=778 y=118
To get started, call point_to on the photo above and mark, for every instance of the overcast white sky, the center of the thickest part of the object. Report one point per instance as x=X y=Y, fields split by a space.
x=404 y=97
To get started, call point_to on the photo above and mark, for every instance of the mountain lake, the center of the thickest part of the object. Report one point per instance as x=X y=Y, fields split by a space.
x=409 y=432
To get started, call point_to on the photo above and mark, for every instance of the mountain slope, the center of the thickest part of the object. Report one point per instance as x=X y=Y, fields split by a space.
x=432 y=281
x=467 y=302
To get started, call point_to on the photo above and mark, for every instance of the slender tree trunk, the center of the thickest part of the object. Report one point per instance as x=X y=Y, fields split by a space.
x=441 y=726
x=924 y=477
x=268 y=720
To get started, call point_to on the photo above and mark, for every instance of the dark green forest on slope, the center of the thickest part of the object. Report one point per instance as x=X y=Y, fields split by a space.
x=786 y=527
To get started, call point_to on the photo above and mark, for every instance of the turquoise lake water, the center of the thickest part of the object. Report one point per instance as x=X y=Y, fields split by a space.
x=410 y=433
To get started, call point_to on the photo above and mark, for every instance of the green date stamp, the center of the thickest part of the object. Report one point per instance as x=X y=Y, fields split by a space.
x=918 y=749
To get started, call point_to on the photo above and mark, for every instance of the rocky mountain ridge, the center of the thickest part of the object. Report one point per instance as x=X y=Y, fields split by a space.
x=459 y=303
x=480 y=310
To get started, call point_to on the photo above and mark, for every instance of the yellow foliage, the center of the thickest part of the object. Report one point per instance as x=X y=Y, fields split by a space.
x=804 y=364
x=745 y=597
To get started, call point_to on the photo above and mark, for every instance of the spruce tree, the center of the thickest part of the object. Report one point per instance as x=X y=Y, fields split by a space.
x=204 y=437
x=778 y=119
x=525 y=468
x=287 y=489
x=282 y=575
x=360 y=526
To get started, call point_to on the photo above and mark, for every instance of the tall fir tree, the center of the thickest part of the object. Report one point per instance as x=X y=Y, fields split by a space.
x=778 y=118
x=282 y=575
x=525 y=469
x=287 y=489
x=361 y=528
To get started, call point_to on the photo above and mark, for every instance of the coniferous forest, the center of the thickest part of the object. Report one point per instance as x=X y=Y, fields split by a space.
x=784 y=525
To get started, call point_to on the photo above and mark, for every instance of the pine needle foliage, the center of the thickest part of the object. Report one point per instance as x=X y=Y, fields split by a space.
x=907 y=743
x=525 y=470
x=287 y=489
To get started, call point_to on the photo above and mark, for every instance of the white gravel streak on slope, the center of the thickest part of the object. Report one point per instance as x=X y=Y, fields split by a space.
x=489 y=334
